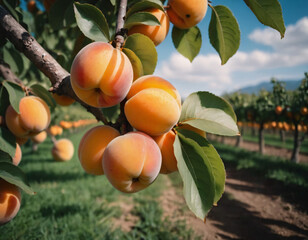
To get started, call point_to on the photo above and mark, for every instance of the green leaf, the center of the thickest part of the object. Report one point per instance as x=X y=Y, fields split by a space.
x=61 y=14
x=198 y=179
x=7 y=142
x=217 y=166
x=210 y=113
x=135 y=61
x=141 y=18
x=145 y=4
x=41 y=92
x=13 y=174
x=224 y=32
x=269 y=13
x=112 y=113
x=14 y=59
x=5 y=157
x=187 y=41
x=144 y=49
x=10 y=7
x=15 y=94
x=92 y=22
x=4 y=100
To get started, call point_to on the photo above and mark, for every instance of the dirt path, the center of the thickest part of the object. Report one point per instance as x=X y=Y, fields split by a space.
x=269 y=150
x=249 y=209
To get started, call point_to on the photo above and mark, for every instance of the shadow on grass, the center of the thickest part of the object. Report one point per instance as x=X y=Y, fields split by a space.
x=233 y=217
x=40 y=176
x=60 y=211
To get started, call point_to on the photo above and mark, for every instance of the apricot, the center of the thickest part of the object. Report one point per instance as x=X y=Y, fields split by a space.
x=18 y=154
x=165 y=144
x=278 y=110
x=55 y=130
x=186 y=14
x=101 y=75
x=63 y=150
x=65 y=124
x=63 y=100
x=156 y=33
x=33 y=118
x=10 y=199
x=39 y=138
x=31 y=6
x=304 y=111
x=131 y=162
x=153 y=105
x=92 y=147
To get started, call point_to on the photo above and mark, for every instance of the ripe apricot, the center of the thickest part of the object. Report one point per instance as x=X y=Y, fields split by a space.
x=31 y=6
x=33 y=118
x=156 y=33
x=165 y=144
x=304 y=111
x=55 y=130
x=39 y=138
x=101 y=75
x=153 y=105
x=17 y=156
x=131 y=162
x=10 y=198
x=278 y=110
x=186 y=14
x=63 y=150
x=63 y=100
x=92 y=147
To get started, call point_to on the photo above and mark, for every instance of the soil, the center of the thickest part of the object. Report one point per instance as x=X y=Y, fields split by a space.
x=250 y=208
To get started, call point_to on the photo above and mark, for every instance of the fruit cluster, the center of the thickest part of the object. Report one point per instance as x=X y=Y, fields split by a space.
x=132 y=161
x=103 y=76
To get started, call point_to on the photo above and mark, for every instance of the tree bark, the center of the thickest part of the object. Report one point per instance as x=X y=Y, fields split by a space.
x=261 y=138
x=296 y=145
x=239 y=139
x=282 y=136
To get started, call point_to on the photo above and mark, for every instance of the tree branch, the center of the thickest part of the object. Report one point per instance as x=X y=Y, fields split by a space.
x=58 y=76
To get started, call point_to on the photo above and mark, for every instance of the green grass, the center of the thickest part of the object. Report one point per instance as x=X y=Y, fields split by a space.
x=274 y=140
x=71 y=204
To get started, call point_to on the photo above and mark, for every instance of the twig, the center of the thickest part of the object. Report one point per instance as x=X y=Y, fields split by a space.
x=120 y=31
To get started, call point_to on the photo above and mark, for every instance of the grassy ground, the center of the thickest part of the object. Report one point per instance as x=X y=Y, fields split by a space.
x=292 y=177
x=273 y=139
x=71 y=204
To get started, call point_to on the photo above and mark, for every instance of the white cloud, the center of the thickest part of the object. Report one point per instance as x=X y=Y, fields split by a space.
x=296 y=37
x=206 y=71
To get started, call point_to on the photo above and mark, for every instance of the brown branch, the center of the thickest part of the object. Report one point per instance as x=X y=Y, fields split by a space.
x=58 y=76
x=7 y=74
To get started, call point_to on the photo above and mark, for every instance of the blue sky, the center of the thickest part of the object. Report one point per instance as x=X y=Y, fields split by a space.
x=261 y=56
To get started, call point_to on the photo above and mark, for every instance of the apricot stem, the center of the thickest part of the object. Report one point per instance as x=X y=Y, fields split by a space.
x=120 y=31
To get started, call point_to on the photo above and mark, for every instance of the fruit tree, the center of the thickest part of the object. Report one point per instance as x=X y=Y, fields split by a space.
x=101 y=54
